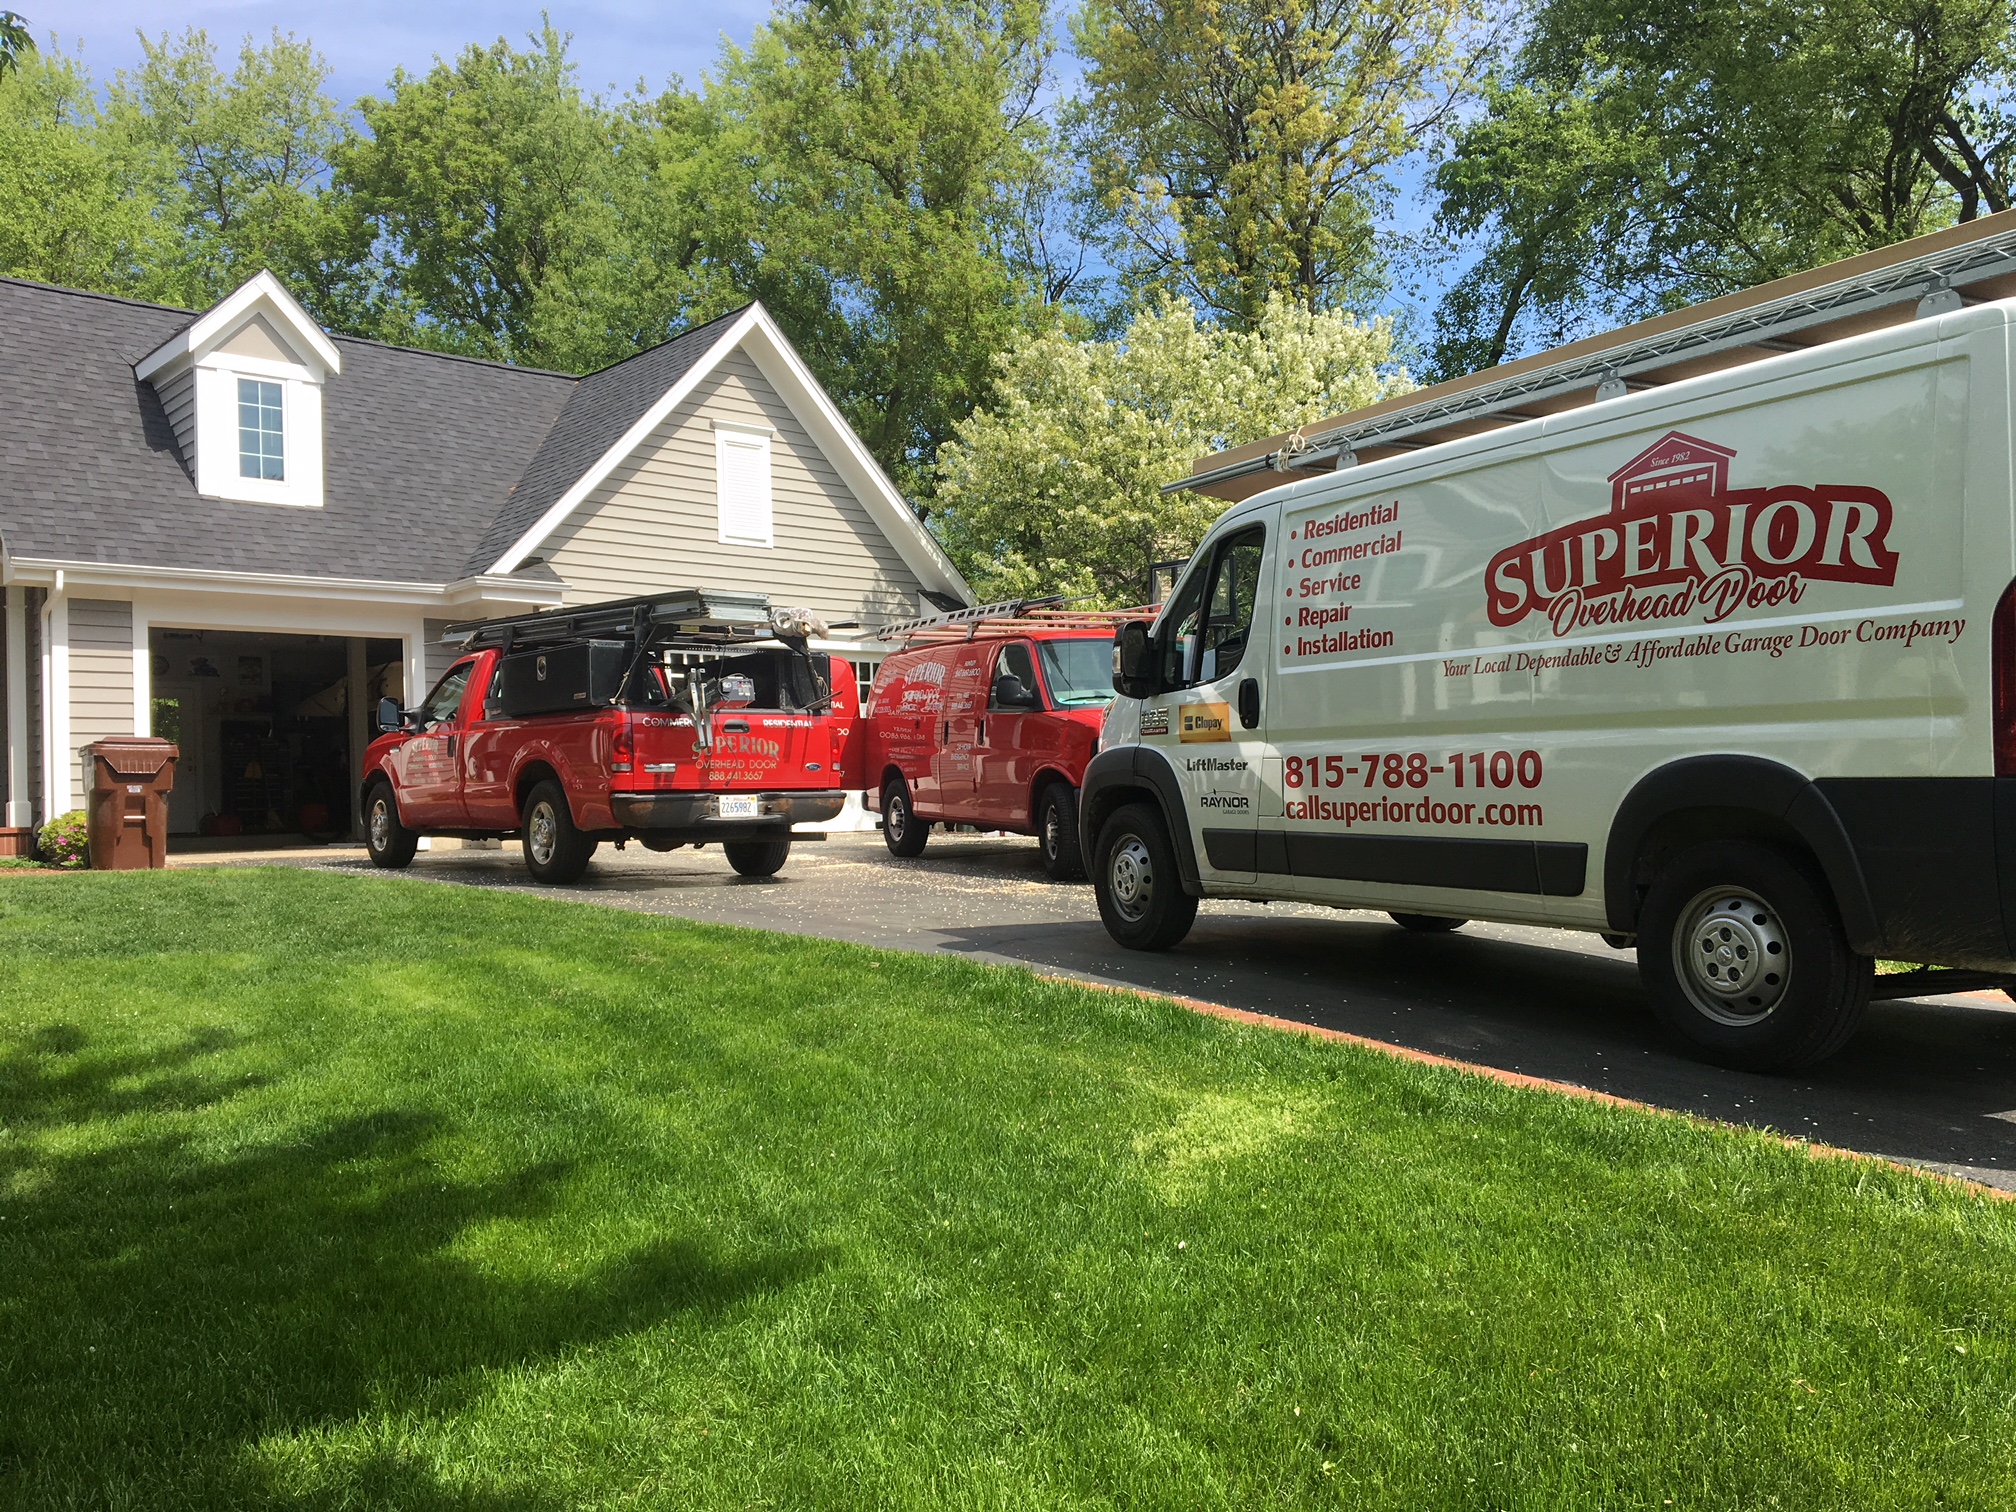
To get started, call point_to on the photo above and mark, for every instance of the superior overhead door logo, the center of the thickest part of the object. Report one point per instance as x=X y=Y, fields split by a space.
x=1678 y=540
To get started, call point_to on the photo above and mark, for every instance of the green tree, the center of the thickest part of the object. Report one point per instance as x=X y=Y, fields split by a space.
x=1054 y=486
x=493 y=185
x=1245 y=147
x=16 y=42
x=1640 y=157
x=246 y=159
x=873 y=163
x=73 y=210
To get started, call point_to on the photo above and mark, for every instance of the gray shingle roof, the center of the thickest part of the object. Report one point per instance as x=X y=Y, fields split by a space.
x=421 y=452
x=602 y=407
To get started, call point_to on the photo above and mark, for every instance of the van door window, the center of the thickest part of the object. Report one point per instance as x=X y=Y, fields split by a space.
x=1213 y=616
x=1014 y=684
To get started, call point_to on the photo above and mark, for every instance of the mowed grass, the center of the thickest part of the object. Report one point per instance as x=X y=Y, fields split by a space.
x=334 y=1192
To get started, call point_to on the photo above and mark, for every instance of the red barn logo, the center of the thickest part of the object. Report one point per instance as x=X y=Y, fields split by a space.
x=1678 y=539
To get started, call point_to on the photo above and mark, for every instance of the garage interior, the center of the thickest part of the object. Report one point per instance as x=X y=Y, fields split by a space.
x=272 y=728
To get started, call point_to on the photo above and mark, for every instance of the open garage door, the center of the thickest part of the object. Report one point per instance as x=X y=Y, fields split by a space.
x=272 y=727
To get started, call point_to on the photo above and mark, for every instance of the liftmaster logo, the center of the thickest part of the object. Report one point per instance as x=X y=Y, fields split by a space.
x=1678 y=540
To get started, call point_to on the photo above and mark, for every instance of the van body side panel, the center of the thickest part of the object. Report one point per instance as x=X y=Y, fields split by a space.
x=1480 y=654
x=1388 y=760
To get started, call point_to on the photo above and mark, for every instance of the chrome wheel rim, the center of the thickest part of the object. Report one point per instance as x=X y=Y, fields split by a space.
x=381 y=825
x=1130 y=878
x=542 y=832
x=896 y=816
x=1051 y=830
x=1735 y=956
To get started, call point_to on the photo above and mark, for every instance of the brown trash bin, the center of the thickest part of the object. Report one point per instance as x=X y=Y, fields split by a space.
x=128 y=819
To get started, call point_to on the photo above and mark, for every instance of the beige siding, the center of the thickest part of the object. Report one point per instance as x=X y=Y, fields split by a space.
x=101 y=670
x=435 y=657
x=178 y=398
x=653 y=524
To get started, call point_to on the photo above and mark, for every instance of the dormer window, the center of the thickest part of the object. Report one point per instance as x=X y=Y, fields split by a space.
x=262 y=435
x=242 y=386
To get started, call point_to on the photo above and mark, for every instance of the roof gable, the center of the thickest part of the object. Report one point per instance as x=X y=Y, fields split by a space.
x=751 y=330
x=261 y=297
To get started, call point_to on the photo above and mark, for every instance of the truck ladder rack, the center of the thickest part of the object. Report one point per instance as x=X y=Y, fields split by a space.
x=1008 y=617
x=1926 y=276
x=695 y=617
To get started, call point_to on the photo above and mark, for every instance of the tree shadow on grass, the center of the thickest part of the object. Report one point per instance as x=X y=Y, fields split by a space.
x=163 y=1305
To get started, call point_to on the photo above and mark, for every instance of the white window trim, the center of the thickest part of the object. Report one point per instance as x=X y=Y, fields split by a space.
x=744 y=438
x=217 y=473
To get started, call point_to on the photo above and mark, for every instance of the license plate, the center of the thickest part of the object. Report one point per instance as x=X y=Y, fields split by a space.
x=738 y=808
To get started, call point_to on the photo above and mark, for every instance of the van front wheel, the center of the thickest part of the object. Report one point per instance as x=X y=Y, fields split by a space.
x=1743 y=955
x=1057 y=833
x=1141 y=897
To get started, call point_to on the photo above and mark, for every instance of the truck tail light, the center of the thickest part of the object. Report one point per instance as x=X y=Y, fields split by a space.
x=2003 y=649
x=623 y=746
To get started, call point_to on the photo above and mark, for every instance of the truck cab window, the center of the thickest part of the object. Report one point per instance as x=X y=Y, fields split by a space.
x=1213 y=614
x=1014 y=680
x=447 y=695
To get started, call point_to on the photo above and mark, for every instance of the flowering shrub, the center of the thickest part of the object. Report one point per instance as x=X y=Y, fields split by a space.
x=62 y=841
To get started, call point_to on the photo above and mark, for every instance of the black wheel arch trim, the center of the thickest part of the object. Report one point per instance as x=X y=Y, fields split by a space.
x=1747 y=784
x=1113 y=777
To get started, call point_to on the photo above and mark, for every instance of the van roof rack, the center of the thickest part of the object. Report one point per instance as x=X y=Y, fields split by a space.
x=1009 y=617
x=1928 y=275
x=700 y=618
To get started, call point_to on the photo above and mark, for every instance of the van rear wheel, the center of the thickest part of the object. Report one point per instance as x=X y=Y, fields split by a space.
x=1141 y=898
x=757 y=858
x=556 y=852
x=1057 y=833
x=1744 y=957
x=902 y=831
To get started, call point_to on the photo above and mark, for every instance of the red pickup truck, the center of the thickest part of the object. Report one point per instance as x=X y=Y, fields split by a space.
x=677 y=719
x=988 y=717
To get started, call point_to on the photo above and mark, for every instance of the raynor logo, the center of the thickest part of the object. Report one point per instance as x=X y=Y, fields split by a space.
x=1678 y=539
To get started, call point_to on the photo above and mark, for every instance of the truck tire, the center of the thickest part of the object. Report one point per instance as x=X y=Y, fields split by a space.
x=1141 y=898
x=757 y=858
x=902 y=831
x=387 y=841
x=1057 y=833
x=1426 y=923
x=1743 y=955
x=556 y=852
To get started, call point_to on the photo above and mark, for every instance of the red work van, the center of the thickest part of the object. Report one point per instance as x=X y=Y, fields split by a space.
x=988 y=717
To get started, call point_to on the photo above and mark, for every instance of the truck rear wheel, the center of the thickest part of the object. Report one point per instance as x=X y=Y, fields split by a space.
x=1141 y=898
x=1743 y=955
x=556 y=851
x=757 y=858
x=902 y=831
x=388 y=842
x=1057 y=832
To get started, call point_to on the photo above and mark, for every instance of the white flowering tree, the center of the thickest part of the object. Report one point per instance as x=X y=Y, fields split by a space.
x=1054 y=485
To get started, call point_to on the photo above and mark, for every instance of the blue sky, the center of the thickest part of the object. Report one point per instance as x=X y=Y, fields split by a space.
x=616 y=42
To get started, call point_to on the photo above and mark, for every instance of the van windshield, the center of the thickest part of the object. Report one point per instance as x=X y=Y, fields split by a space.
x=1080 y=672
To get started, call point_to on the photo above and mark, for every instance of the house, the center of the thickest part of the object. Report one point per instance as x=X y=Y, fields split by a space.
x=236 y=529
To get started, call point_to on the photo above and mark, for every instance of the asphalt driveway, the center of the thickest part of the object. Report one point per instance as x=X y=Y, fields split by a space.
x=1931 y=1081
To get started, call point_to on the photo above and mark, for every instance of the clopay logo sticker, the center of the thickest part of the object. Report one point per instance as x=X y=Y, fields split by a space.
x=1678 y=540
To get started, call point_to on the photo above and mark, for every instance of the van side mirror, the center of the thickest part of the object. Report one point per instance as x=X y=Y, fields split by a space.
x=1133 y=661
x=389 y=717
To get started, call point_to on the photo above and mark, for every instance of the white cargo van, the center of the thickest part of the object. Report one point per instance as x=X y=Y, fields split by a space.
x=1725 y=668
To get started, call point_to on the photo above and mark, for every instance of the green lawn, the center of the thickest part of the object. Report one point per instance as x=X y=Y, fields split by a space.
x=336 y=1192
